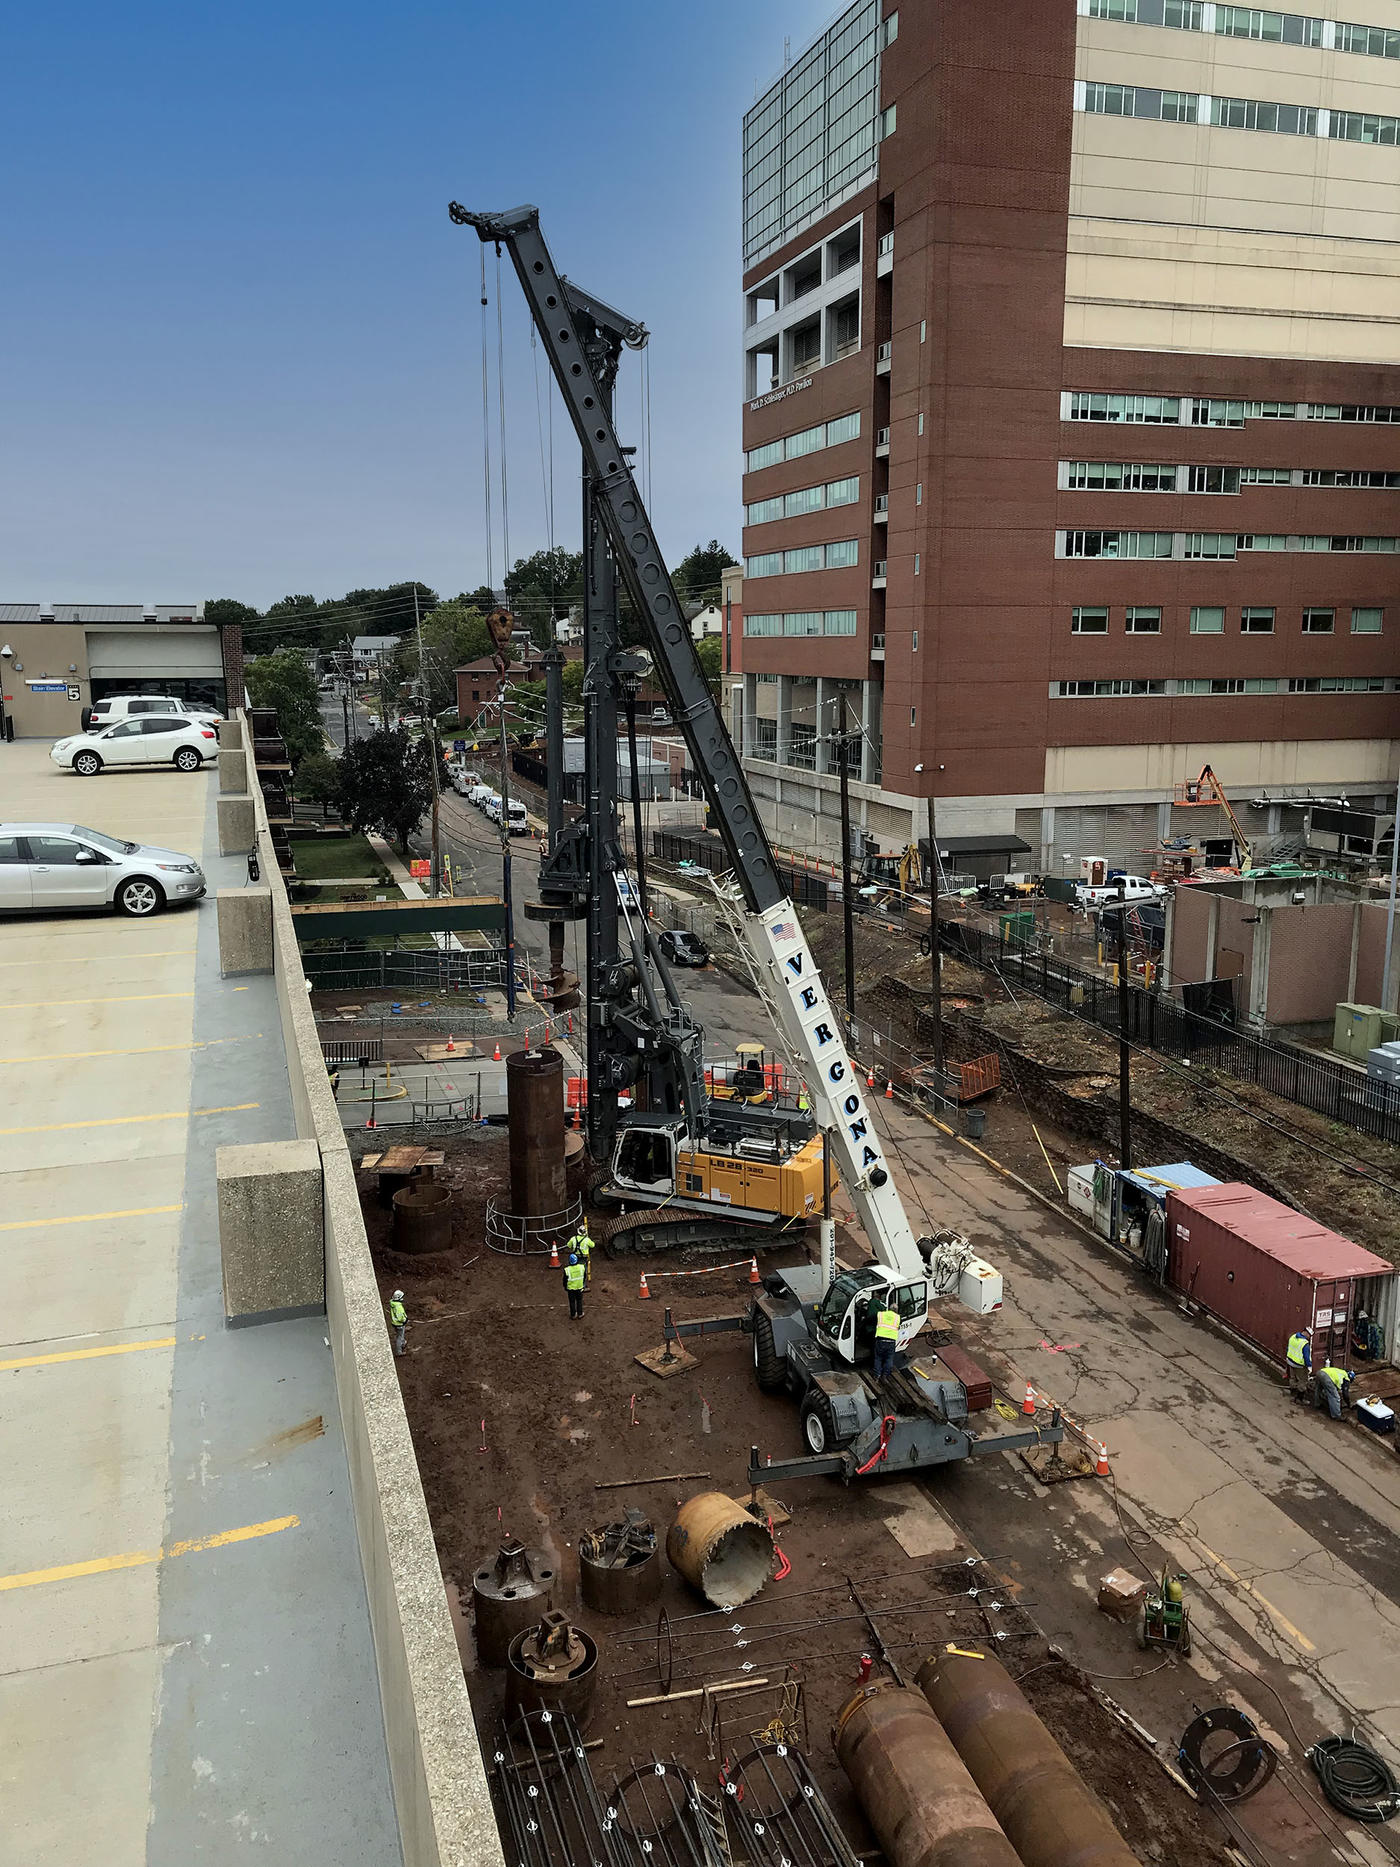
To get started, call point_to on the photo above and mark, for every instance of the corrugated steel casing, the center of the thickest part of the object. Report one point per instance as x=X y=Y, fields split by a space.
x=1265 y=1269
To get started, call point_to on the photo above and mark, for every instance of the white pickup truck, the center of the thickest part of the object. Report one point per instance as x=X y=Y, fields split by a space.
x=1121 y=888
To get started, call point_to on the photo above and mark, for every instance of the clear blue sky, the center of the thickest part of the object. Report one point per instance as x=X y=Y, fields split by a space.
x=241 y=338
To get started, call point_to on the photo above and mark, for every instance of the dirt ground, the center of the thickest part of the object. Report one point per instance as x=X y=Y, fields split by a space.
x=518 y=1417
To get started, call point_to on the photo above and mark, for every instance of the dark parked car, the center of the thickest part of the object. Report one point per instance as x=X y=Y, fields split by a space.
x=683 y=949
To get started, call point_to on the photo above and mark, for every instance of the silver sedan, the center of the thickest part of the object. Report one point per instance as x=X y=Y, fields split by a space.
x=64 y=865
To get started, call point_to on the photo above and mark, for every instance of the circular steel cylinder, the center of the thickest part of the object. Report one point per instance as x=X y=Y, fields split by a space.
x=720 y=1549
x=1049 y=1813
x=916 y=1793
x=535 y=1105
x=509 y=1594
x=552 y=1666
x=423 y=1217
x=618 y=1578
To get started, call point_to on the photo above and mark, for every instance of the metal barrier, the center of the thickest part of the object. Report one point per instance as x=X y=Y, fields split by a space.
x=408 y=969
x=1302 y=1077
x=517 y=1236
x=707 y=852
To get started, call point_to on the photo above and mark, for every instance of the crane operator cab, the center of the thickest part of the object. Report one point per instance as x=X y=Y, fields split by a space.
x=846 y=1315
x=766 y=1179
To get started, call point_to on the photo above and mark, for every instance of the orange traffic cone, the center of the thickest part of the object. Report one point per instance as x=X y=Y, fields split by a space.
x=644 y=1292
x=1101 y=1468
x=889 y=1090
x=496 y=1053
x=371 y=1123
x=1028 y=1404
x=754 y=1277
x=451 y=1046
x=554 y=1254
x=870 y=1079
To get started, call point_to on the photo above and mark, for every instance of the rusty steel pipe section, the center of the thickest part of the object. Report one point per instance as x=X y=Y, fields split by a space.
x=720 y=1549
x=535 y=1112
x=916 y=1793
x=1049 y=1813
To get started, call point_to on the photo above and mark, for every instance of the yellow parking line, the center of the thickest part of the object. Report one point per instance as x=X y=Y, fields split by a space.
x=120 y=1121
x=86 y=1354
x=105 y=959
x=138 y=1558
x=88 y=1218
x=134 y=998
x=1275 y=1614
x=141 y=1050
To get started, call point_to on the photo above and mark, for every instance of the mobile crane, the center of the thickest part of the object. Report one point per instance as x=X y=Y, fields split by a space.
x=811 y=1327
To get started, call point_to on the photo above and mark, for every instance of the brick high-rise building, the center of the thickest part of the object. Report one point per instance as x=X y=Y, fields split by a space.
x=1072 y=424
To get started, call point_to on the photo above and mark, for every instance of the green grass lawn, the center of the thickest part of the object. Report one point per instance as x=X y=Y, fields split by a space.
x=348 y=854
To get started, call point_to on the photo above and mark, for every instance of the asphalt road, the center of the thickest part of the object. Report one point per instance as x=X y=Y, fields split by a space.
x=333 y=719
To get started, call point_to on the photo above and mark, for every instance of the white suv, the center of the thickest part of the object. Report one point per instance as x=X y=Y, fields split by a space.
x=122 y=706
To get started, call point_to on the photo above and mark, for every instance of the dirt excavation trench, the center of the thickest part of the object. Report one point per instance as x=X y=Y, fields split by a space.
x=533 y=1427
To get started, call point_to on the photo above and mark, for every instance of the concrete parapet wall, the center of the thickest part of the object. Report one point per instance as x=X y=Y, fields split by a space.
x=441 y=1794
x=245 y=930
x=238 y=823
x=233 y=770
x=231 y=733
x=271 y=1230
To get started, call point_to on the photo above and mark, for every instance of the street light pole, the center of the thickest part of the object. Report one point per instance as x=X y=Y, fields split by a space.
x=1390 y=909
x=430 y=731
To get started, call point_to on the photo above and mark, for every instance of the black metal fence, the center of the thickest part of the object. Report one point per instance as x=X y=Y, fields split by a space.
x=407 y=969
x=708 y=852
x=1319 y=1083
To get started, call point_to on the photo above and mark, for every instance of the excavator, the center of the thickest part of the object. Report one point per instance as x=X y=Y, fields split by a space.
x=701 y=1168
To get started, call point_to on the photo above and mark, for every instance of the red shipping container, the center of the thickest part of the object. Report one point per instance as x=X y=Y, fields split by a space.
x=1265 y=1269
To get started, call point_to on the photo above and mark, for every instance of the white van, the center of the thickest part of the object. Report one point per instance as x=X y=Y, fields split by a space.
x=519 y=824
x=478 y=793
x=124 y=706
x=491 y=808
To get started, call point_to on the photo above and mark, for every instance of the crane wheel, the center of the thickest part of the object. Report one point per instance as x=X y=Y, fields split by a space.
x=768 y=1367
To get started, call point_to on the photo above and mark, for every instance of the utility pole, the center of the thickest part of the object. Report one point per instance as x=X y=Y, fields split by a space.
x=847 y=906
x=430 y=729
x=1125 y=1104
x=935 y=955
x=1390 y=909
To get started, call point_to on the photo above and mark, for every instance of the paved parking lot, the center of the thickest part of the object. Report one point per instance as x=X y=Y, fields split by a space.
x=187 y=1670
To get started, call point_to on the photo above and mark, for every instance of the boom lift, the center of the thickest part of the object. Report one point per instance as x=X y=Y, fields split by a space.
x=679 y=1149
x=1207 y=789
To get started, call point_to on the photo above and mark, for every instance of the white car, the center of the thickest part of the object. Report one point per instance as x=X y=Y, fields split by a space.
x=150 y=739
x=64 y=865
x=114 y=707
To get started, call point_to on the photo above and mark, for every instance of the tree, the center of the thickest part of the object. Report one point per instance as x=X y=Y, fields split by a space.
x=453 y=634
x=318 y=778
x=572 y=678
x=283 y=680
x=386 y=784
x=710 y=654
x=228 y=609
x=697 y=576
x=543 y=586
x=483 y=598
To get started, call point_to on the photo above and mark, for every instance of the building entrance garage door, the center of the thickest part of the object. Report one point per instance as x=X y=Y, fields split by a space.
x=186 y=664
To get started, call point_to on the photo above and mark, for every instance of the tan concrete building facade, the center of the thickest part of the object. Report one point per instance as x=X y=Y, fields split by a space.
x=1072 y=421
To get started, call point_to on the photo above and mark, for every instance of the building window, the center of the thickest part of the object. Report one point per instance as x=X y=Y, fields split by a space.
x=843 y=554
x=766 y=680
x=843 y=492
x=1318 y=621
x=921 y=421
x=1267 y=476
x=913 y=716
x=1355 y=126
x=1371 y=41
x=1367 y=621
x=1230 y=684
x=1118 y=544
x=803 y=622
x=766 y=564
x=1256 y=622
x=1212 y=479
x=1211 y=544
x=764 y=511
x=1352 y=476
x=1121 y=476
x=804 y=441
x=916 y=642
x=1088 y=622
x=891 y=29
x=923 y=334
x=1262 y=541
x=1207 y=621
x=838 y=622
x=1144 y=622
x=1098 y=690
x=762 y=625
x=1114 y=9
x=1342 y=684
x=765 y=739
x=1086 y=405
x=916 y=563
x=919 y=493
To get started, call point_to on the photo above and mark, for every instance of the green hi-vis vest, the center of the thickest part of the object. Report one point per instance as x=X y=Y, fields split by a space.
x=581 y=1243
x=1336 y=1375
x=887 y=1325
x=1296 y=1345
x=398 y=1315
x=573 y=1276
